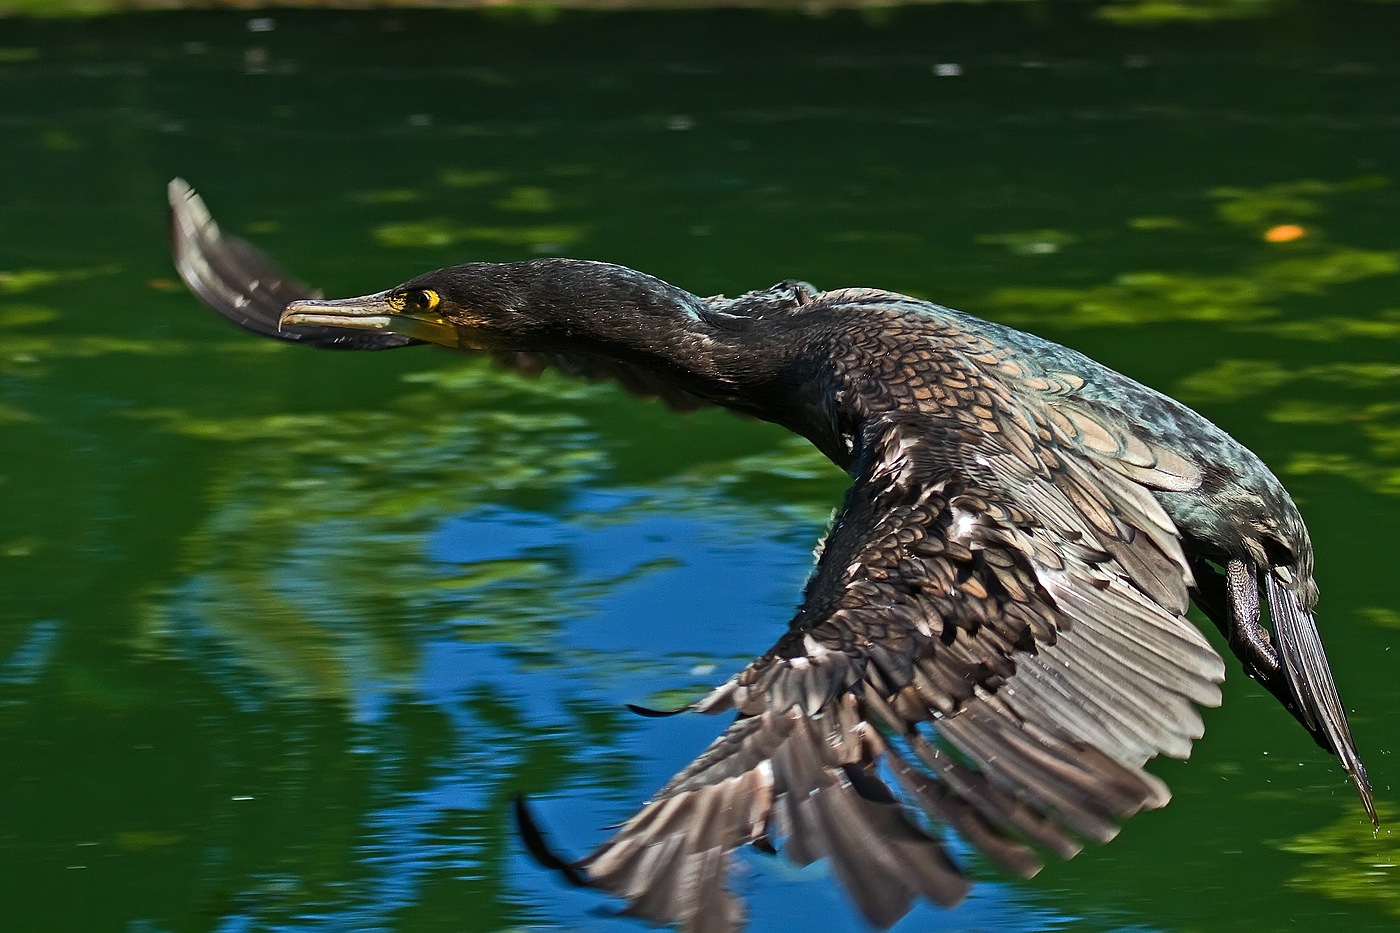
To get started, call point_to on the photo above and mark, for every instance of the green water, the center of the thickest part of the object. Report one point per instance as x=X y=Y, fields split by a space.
x=281 y=631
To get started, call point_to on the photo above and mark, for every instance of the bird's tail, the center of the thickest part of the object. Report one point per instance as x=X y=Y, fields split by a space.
x=1310 y=681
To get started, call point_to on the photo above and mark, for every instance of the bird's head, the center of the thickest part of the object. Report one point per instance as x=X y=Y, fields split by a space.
x=473 y=306
x=535 y=305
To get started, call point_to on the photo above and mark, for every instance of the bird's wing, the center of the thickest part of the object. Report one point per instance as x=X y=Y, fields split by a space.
x=1295 y=668
x=1023 y=600
x=243 y=285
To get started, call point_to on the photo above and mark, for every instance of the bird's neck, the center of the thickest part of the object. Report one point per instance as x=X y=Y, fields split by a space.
x=620 y=314
x=752 y=356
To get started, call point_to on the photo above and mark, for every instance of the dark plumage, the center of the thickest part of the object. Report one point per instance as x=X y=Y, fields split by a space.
x=997 y=614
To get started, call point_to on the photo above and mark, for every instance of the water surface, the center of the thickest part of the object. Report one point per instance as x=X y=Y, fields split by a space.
x=282 y=631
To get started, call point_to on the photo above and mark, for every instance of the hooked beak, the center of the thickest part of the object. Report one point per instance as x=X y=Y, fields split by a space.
x=372 y=313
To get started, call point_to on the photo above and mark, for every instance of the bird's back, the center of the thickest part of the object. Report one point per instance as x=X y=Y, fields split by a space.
x=886 y=351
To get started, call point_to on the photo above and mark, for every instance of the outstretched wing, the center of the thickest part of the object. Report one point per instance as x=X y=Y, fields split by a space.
x=1272 y=558
x=1027 y=605
x=243 y=285
x=1290 y=662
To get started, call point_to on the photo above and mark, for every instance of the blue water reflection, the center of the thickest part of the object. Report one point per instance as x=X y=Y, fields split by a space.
x=715 y=598
x=283 y=632
x=25 y=665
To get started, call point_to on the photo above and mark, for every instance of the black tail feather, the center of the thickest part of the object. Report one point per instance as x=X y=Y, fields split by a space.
x=1309 y=675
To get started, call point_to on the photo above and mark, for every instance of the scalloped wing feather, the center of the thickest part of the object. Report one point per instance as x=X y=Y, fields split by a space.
x=1048 y=670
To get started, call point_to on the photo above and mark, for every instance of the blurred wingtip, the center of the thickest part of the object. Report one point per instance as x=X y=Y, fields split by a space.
x=650 y=713
x=243 y=285
x=538 y=846
x=187 y=211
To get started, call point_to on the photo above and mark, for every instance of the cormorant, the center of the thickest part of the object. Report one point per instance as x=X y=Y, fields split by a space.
x=997 y=619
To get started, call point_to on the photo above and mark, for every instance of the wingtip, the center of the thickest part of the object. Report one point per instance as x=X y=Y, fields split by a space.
x=650 y=713
x=538 y=846
x=190 y=222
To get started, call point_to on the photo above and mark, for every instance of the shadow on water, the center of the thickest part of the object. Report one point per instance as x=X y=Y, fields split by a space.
x=282 y=632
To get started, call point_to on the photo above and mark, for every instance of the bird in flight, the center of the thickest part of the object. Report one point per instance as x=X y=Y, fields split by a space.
x=994 y=638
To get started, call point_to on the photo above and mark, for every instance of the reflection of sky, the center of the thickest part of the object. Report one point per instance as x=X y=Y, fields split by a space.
x=705 y=605
x=28 y=661
x=720 y=597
